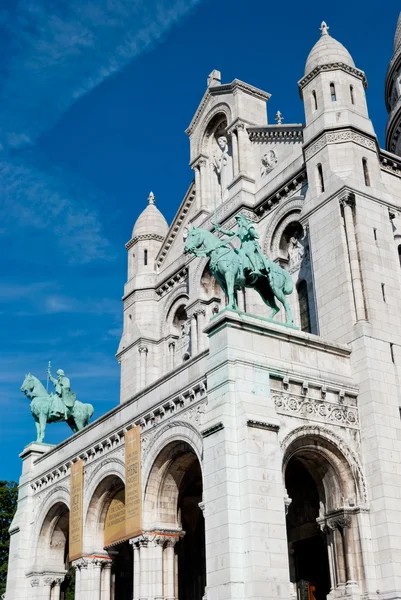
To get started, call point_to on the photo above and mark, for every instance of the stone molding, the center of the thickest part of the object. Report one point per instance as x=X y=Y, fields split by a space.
x=287 y=211
x=172 y=282
x=263 y=425
x=211 y=430
x=139 y=295
x=390 y=164
x=338 y=137
x=276 y=133
x=176 y=225
x=144 y=237
x=331 y=67
x=305 y=407
x=283 y=192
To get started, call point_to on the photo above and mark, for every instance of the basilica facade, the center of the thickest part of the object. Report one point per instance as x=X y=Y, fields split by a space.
x=246 y=459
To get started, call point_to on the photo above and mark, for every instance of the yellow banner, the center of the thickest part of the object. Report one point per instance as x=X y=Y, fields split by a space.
x=114 y=527
x=133 y=487
x=76 y=510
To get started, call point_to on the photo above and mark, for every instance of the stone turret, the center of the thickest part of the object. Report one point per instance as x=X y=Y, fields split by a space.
x=148 y=234
x=393 y=96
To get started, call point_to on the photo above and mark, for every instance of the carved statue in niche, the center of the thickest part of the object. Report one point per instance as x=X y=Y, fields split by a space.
x=223 y=164
x=269 y=161
x=296 y=252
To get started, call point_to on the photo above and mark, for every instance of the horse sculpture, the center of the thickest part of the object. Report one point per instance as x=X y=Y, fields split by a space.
x=232 y=272
x=41 y=408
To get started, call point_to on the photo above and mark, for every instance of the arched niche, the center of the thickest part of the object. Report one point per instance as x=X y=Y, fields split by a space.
x=52 y=546
x=217 y=147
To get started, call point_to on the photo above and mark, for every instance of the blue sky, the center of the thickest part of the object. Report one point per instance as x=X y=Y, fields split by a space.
x=94 y=100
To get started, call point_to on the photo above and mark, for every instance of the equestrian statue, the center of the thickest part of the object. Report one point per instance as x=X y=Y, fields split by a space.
x=246 y=266
x=55 y=408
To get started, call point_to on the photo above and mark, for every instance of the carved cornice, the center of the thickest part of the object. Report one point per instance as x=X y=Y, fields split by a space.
x=276 y=133
x=332 y=67
x=281 y=193
x=172 y=282
x=390 y=163
x=176 y=224
x=211 y=430
x=263 y=425
x=339 y=136
x=139 y=295
x=144 y=237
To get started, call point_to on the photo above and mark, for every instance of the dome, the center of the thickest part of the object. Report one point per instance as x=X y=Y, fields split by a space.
x=397 y=37
x=326 y=51
x=150 y=221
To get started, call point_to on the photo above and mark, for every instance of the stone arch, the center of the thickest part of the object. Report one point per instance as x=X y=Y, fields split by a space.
x=332 y=463
x=102 y=490
x=283 y=216
x=57 y=496
x=50 y=538
x=173 y=302
x=178 y=444
x=205 y=129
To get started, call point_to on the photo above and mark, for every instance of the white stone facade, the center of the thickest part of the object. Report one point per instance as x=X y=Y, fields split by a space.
x=271 y=457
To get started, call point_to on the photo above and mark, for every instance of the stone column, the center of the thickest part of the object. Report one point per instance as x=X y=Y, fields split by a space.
x=47 y=588
x=169 y=582
x=234 y=143
x=197 y=185
x=348 y=203
x=203 y=183
x=243 y=148
x=97 y=565
x=106 y=580
x=171 y=350
x=201 y=317
x=56 y=589
x=80 y=567
x=143 y=355
x=145 y=566
x=157 y=568
x=137 y=568
x=194 y=336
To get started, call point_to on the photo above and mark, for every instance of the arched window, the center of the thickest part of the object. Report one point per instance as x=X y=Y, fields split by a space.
x=333 y=92
x=314 y=100
x=303 y=301
x=320 y=178
x=351 y=93
x=145 y=257
x=365 y=171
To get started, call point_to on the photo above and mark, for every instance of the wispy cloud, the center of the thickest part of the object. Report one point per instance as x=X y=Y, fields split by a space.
x=63 y=50
x=57 y=52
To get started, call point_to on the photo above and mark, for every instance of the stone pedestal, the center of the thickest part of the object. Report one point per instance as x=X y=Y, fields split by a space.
x=18 y=585
x=246 y=542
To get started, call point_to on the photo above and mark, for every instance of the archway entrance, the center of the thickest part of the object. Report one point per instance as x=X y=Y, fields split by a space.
x=191 y=548
x=122 y=572
x=172 y=511
x=308 y=554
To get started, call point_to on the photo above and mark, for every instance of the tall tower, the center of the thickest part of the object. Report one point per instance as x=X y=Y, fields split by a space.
x=393 y=96
x=138 y=350
x=356 y=274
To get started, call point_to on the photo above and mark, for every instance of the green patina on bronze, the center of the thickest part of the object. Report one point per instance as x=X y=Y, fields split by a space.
x=58 y=407
x=246 y=266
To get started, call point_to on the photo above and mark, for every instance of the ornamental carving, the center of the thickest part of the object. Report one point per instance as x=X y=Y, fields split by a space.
x=269 y=161
x=312 y=409
x=337 y=137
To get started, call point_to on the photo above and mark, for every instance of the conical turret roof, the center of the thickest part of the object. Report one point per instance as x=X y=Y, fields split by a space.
x=150 y=221
x=326 y=51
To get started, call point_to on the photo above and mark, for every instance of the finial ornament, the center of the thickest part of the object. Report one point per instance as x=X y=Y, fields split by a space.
x=279 y=118
x=151 y=198
x=324 y=28
x=214 y=78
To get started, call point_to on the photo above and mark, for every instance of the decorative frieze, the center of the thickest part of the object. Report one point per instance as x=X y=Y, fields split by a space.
x=144 y=237
x=172 y=282
x=286 y=133
x=339 y=137
x=337 y=66
x=312 y=409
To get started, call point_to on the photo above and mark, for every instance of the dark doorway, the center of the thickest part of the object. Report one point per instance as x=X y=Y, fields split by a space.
x=191 y=548
x=309 y=564
x=122 y=572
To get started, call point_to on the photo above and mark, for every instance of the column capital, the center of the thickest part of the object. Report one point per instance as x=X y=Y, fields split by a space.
x=200 y=161
x=143 y=349
x=347 y=198
x=340 y=520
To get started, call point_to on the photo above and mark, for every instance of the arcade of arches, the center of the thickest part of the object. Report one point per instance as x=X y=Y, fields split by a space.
x=168 y=560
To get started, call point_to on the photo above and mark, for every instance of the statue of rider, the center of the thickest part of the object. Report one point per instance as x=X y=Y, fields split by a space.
x=249 y=247
x=63 y=391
